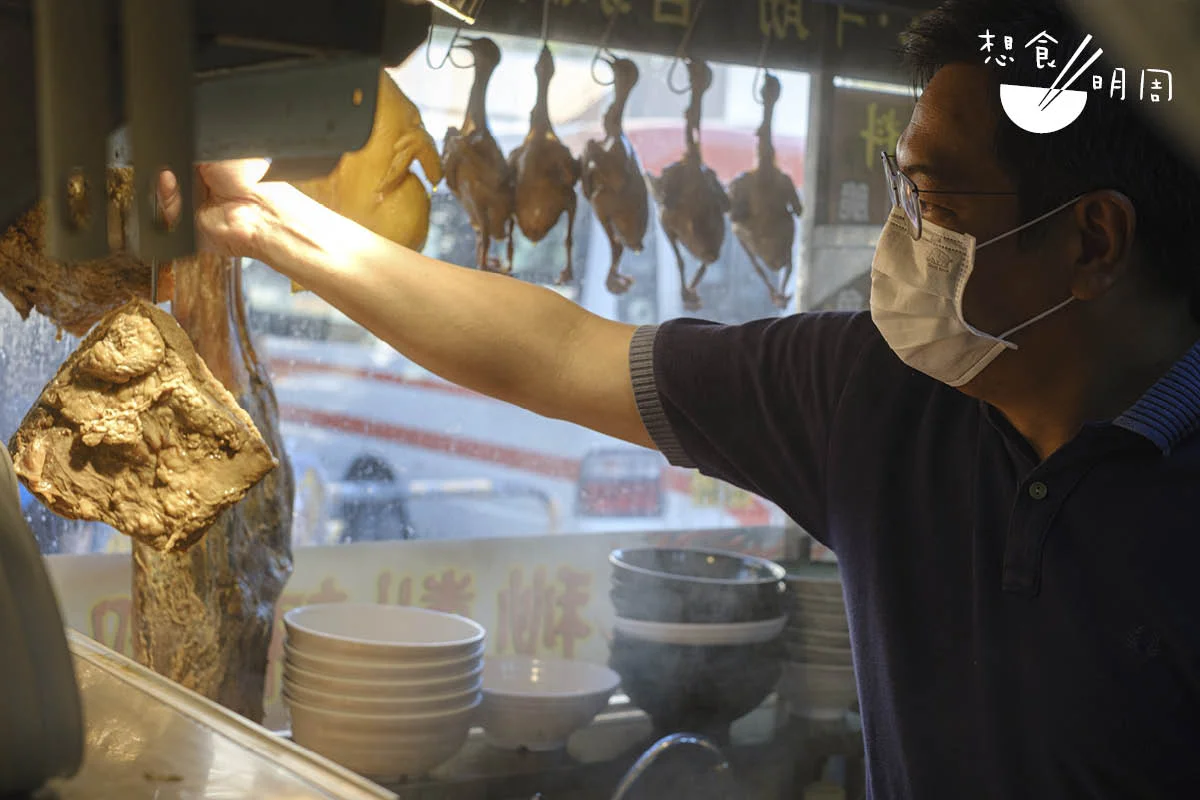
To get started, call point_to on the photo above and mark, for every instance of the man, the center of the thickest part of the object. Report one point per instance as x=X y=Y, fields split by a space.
x=1001 y=453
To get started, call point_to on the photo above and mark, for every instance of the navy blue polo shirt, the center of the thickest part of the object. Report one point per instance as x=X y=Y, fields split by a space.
x=1021 y=630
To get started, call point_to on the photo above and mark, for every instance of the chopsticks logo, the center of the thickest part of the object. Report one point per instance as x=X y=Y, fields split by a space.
x=1038 y=109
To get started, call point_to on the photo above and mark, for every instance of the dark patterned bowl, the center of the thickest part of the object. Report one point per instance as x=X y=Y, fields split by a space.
x=695 y=689
x=695 y=586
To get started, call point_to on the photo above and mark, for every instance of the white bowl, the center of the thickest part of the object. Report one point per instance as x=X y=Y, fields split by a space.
x=536 y=704
x=392 y=762
x=311 y=724
x=358 y=669
x=827 y=586
x=817 y=692
x=374 y=741
x=815 y=621
x=352 y=687
x=377 y=632
x=817 y=602
x=796 y=636
x=701 y=634
x=382 y=704
x=822 y=656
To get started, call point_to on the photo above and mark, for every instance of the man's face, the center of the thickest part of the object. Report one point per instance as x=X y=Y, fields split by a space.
x=948 y=147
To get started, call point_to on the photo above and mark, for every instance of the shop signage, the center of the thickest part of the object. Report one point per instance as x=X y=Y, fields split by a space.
x=855 y=39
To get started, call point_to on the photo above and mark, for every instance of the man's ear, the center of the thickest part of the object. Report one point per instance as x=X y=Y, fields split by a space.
x=1105 y=222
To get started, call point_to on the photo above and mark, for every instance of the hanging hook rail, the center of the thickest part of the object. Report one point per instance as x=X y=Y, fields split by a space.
x=760 y=72
x=683 y=45
x=602 y=49
x=449 y=50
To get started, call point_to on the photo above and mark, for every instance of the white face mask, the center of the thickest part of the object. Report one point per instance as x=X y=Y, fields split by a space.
x=917 y=292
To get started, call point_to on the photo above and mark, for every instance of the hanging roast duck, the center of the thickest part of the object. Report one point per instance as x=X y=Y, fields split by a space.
x=475 y=168
x=691 y=200
x=765 y=205
x=613 y=180
x=545 y=172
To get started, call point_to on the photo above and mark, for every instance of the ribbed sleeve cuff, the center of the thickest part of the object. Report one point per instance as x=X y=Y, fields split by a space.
x=649 y=402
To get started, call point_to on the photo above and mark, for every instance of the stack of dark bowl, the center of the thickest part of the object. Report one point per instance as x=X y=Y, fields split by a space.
x=697 y=636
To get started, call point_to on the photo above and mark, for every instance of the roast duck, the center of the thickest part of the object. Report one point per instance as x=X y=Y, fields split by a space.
x=476 y=170
x=545 y=172
x=613 y=182
x=690 y=197
x=375 y=186
x=765 y=205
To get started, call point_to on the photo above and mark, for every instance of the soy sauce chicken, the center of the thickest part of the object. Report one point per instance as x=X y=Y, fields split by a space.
x=476 y=170
x=691 y=200
x=765 y=205
x=375 y=186
x=545 y=172
x=613 y=181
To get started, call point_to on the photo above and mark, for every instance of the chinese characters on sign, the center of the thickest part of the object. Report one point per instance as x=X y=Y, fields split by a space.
x=1003 y=59
x=110 y=623
x=780 y=18
x=1152 y=77
x=881 y=133
x=853 y=188
x=1041 y=44
x=710 y=493
x=1154 y=85
x=447 y=591
x=611 y=7
x=854 y=203
x=543 y=615
x=673 y=12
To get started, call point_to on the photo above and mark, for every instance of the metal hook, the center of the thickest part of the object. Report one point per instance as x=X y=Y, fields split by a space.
x=605 y=56
x=760 y=72
x=602 y=50
x=683 y=45
x=545 y=22
x=449 y=50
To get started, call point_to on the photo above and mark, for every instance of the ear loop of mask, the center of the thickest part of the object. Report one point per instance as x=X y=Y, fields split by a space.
x=1003 y=338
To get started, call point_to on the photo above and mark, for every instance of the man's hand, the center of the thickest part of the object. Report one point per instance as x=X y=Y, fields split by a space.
x=230 y=211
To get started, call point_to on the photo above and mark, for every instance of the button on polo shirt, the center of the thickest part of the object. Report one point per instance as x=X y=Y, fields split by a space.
x=1022 y=629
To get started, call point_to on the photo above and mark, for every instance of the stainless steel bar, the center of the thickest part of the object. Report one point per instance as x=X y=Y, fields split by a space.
x=74 y=110
x=161 y=108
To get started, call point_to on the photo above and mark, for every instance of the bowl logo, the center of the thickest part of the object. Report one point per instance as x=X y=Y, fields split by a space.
x=1034 y=108
x=1038 y=109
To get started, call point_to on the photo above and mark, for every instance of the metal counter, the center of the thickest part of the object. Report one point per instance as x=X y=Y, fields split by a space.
x=147 y=737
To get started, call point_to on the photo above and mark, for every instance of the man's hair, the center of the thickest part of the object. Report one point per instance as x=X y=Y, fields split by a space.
x=1112 y=145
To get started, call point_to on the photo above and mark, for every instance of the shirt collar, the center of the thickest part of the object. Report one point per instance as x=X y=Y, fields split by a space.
x=1169 y=411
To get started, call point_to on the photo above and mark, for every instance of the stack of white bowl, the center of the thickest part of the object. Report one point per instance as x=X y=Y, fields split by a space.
x=818 y=678
x=390 y=692
x=537 y=703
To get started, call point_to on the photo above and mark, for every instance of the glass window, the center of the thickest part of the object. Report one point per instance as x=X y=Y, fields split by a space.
x=384 y=450
x=450 y=464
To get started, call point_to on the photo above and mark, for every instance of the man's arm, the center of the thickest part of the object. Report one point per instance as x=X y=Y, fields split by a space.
x=501 y=337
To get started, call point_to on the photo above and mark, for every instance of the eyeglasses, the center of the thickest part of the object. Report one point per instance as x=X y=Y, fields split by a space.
x=906 y=194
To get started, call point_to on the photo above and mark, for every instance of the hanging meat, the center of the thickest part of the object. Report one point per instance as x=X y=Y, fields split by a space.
x=476 y=170
x=75 y=296
x=613 y=181
x=690 y=197
x=765 y=205
x=204 y=617
x=545 y=172
x=375 y=186
x=134 y=431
